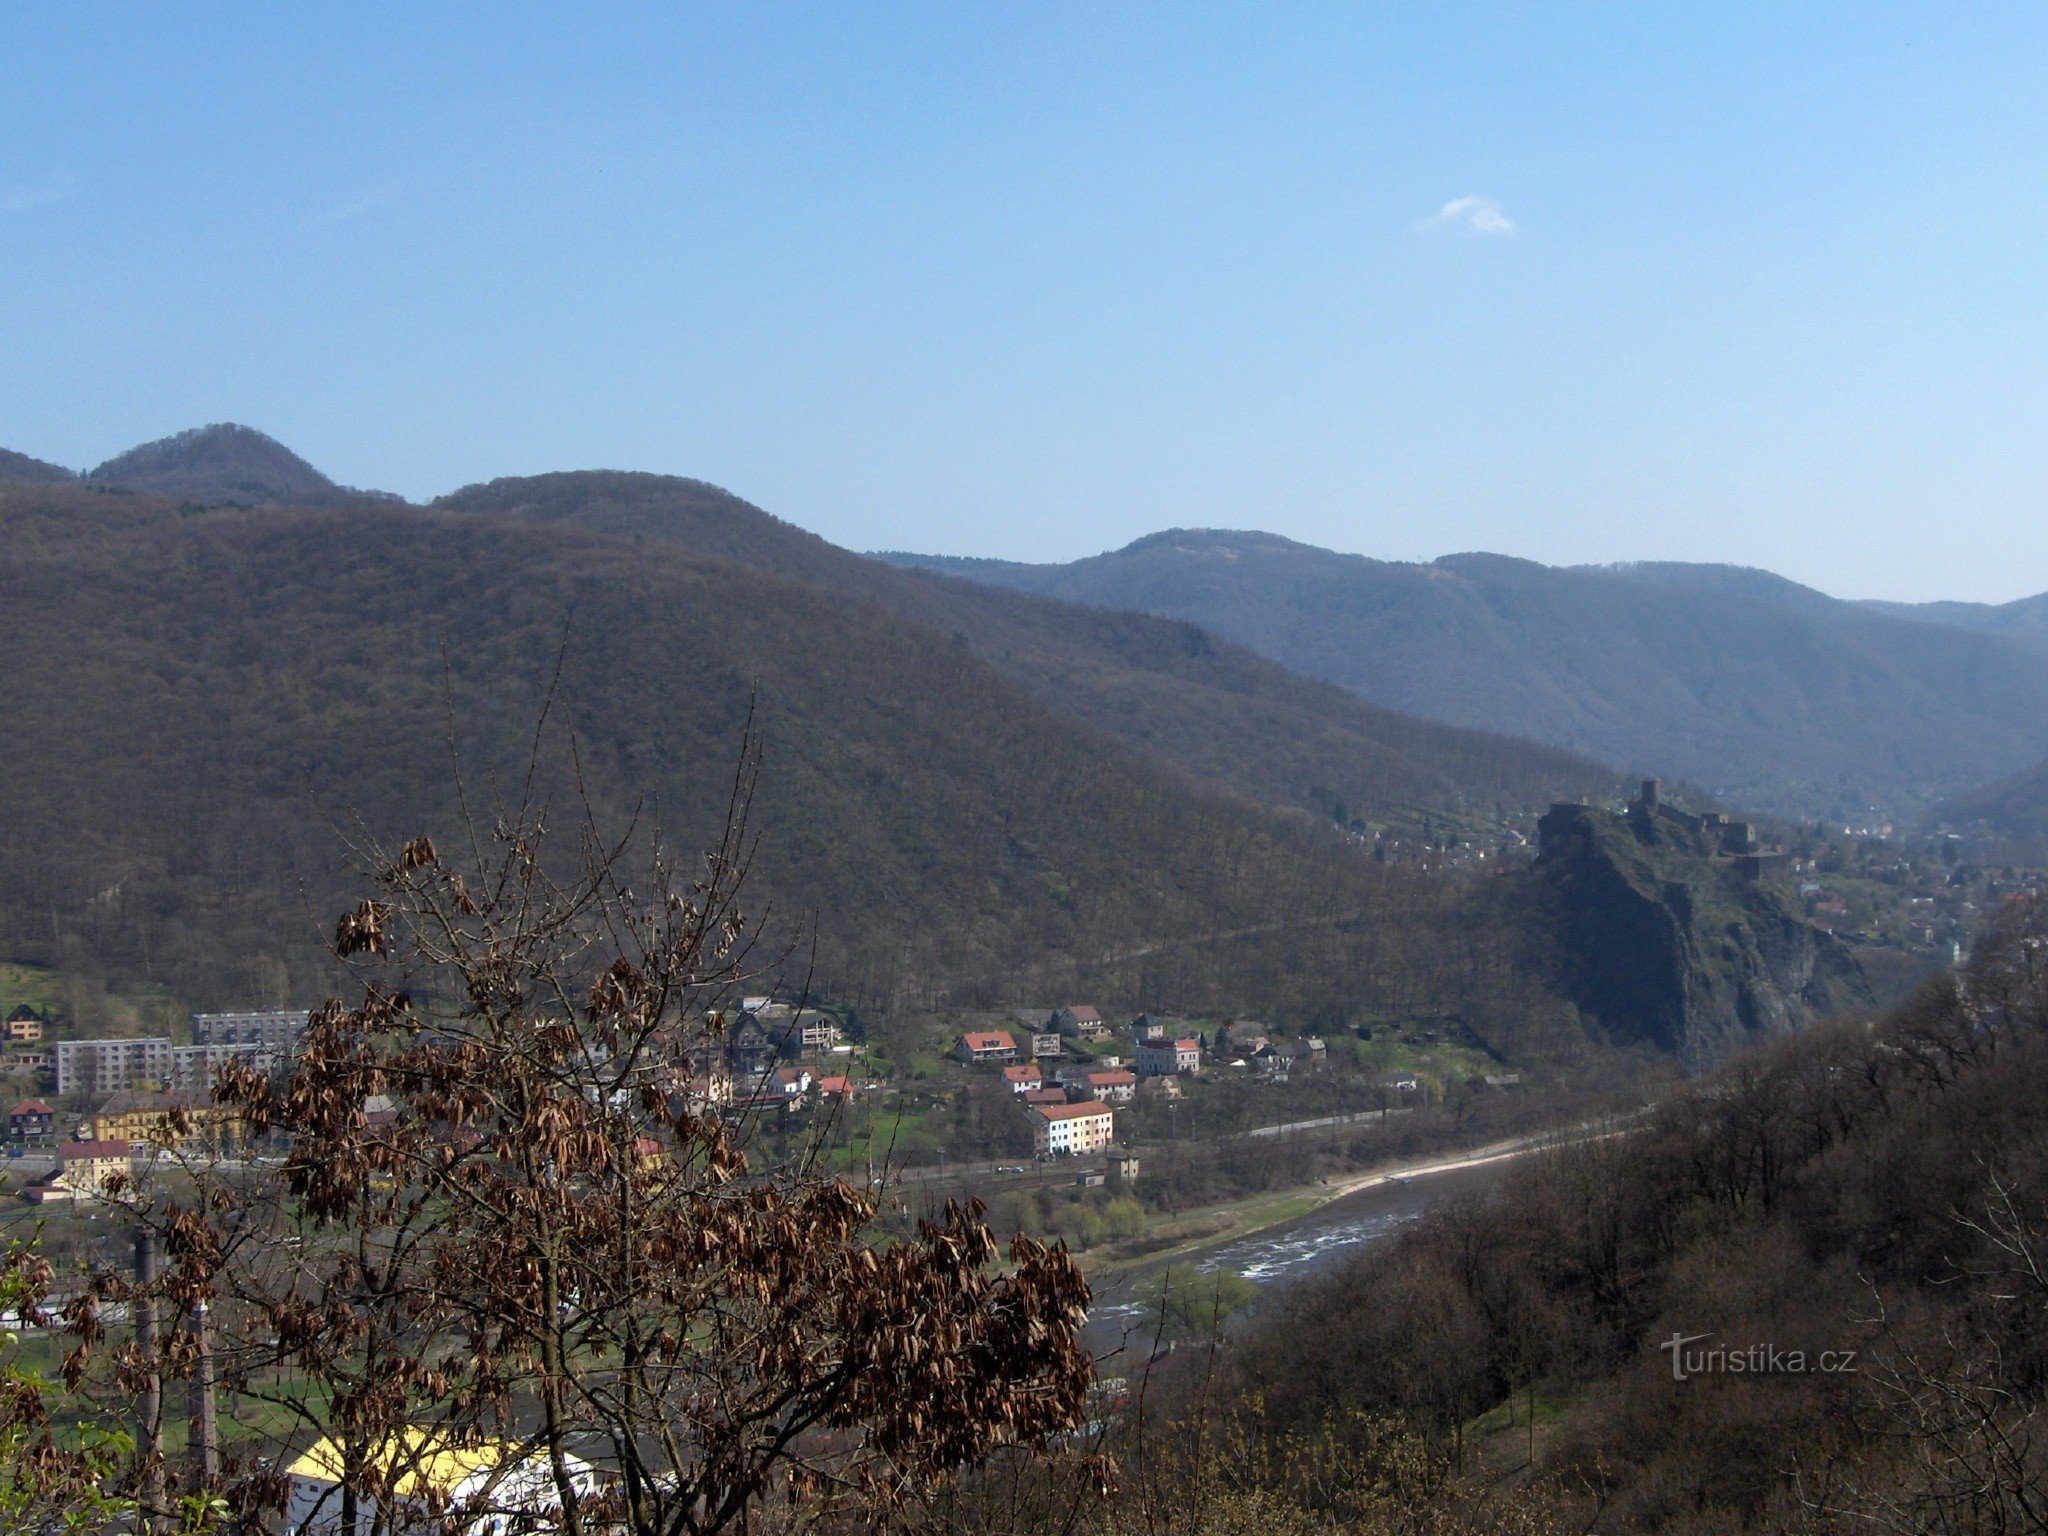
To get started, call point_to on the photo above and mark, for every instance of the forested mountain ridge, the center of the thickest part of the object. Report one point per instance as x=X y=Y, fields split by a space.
x=19 y=466
x=1218 y=711
x=222 y=464
x=1772 y=695
x=206 y=689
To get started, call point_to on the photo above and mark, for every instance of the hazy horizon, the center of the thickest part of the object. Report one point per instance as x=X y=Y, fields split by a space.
x=1576 y=286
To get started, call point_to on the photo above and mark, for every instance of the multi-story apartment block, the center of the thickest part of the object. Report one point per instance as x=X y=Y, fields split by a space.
x=193 y=1066
x=278 y=1028
x=112 y=1066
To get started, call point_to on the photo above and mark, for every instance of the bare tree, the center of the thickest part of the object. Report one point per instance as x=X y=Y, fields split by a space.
x=510 y=1206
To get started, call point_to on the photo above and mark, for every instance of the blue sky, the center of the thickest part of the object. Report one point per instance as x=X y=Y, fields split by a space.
x=1764 y=285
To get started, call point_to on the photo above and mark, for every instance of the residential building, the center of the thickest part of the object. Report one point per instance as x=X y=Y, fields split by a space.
x=1046 y=1043
x=100 y=1067
x=1123 y=1167
x=707 y=1090
x=1144 y=1027
x=1077 y=1129
x=1037 y=1096
x=1024 y=1078
x=790 y=1082
x=837 y=1088
x=1113 y=1087
x=814 y=1032
x=279 y=1028
x=1080 y=1021
x=24 y=1026
x=31 y=1123
x=193 y=1067
x=85 y=1166
x=1032 y=1020
x=983 y=1047
x=152 y=1119
x=1167 y=1056
x=749 y=1049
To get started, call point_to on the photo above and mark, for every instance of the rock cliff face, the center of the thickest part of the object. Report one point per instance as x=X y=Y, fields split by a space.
x=1663 y=941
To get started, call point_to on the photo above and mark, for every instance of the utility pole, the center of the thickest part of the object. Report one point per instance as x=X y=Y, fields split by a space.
x=149 y=1402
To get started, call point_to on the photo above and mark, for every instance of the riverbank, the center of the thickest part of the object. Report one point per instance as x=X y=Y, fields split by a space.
x=1197 y=1232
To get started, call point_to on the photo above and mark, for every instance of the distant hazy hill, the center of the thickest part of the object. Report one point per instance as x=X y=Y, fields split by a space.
x=19 y=466
x=224 y=463
x=1167 y=689
x=1773 y=695
x=2024 y=620
x=2015 y=806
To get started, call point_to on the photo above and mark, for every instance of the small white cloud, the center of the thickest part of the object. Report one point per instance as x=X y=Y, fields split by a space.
x=54 y=188
x=1481 y=215
x=369 y=202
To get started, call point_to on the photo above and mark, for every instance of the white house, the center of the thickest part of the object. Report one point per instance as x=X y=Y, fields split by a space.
x=1165 y=1056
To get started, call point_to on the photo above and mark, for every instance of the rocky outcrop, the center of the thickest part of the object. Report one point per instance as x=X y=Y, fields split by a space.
x=1663 y=940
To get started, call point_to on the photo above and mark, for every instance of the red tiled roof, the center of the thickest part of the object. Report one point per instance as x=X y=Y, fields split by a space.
x=31 y=1107
x=1072 y=1111
x=80 y=1150
x=989 y=1040
x=1111 y=1079
x=1024 y=1074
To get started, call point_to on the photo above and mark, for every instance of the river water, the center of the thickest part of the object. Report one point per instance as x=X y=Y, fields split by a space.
x=1278 y=1256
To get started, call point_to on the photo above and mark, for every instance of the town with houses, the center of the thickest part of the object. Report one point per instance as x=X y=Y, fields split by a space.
x=83 y=1105
x=100 y=1106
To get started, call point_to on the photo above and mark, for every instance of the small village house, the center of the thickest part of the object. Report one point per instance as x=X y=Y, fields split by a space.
x=31 y=1123
x=24 y=1026
x=85 y=1166
x=1168 y=1056
x=1080 y=1021
x=1024 y=1078
x=986 y=1047
x=1112 y=1087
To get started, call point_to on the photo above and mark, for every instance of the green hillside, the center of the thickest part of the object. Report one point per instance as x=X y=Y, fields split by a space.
x=1173 y=691
x=193 y=695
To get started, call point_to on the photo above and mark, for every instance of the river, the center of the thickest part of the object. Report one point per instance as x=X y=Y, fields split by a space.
x=1278 y=1256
